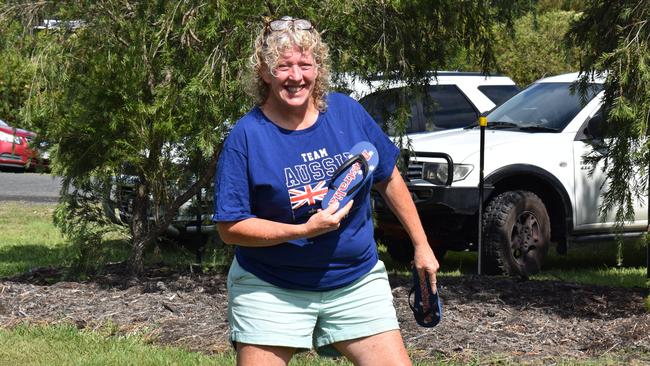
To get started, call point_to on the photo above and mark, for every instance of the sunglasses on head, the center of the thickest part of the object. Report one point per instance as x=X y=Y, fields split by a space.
x=286 y=22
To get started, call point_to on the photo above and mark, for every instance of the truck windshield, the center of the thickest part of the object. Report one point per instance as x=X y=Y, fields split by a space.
x=550 y=106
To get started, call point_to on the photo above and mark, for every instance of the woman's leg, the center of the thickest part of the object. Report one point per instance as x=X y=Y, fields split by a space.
x=253 y=355
x=385 y=348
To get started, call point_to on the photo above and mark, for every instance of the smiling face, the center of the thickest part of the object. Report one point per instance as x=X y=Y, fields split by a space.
x=291 y=82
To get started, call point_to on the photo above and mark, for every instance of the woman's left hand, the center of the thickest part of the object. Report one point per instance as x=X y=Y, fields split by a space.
x=426 y=264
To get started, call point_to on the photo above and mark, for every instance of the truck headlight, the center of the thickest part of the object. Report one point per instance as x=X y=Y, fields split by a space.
x=436 y=173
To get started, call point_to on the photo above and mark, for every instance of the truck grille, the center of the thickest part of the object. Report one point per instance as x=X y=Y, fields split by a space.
x=417 y=161
x=415 y=170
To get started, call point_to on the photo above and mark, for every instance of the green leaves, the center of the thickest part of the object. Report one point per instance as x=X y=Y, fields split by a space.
x=151 y=88
x=614 y=39
x=536 y=49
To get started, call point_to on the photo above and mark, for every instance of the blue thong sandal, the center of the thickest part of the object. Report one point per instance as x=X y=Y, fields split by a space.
x=426 y=307
x=352 y=175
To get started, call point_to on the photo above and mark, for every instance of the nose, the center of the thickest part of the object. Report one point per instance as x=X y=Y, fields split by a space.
x=295 y=73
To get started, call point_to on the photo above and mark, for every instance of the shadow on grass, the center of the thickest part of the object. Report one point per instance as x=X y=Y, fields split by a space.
x=19 y=258
x=53 y=264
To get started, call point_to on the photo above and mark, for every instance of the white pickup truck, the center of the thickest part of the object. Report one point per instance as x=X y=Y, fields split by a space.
x=538 y=191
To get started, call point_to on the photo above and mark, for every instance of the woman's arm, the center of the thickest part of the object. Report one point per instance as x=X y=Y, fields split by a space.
x=398 y=198
x=256 y=232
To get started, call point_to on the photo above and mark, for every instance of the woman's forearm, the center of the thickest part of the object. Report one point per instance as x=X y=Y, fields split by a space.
x=256 y=232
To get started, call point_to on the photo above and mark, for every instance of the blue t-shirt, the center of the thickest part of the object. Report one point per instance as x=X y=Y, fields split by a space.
x=268 y=172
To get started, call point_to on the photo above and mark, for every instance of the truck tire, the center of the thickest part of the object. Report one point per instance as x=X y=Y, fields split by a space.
x=517 y=233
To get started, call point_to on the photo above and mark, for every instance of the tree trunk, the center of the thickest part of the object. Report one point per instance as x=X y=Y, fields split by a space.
x=139 y=229
x=143 y=232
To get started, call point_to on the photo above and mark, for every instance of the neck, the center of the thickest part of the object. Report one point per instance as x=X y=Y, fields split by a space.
x=297 y=118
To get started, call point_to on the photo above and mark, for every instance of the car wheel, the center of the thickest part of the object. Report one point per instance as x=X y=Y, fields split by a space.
x=517 y=233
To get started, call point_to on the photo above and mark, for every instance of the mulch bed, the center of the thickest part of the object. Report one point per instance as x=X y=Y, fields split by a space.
x=495 y=318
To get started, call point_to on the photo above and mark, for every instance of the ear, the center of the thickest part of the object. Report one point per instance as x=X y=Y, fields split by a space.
x=266 y=74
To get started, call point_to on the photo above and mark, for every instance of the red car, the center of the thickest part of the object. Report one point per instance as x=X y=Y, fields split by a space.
x=15 y=151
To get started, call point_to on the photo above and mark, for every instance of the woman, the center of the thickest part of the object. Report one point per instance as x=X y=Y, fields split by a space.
x=303 y=276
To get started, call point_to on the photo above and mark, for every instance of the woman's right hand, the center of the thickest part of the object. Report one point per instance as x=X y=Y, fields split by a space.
x=327 y=220
x=256 y=232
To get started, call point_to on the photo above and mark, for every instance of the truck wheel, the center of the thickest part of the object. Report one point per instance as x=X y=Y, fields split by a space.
x=517 y=233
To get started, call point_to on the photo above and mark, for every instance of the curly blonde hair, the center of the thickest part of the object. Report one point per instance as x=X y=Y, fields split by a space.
x=270 y=45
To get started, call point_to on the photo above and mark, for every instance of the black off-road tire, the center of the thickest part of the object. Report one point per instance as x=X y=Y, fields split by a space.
x=517 y=234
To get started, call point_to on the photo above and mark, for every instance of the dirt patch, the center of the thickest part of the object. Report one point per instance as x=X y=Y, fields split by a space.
x=525 y=321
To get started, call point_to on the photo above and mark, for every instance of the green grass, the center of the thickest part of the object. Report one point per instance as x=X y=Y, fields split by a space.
x=594 y=263
x=67 y=345
x=599 y=263
x=606 y=276
x=29 y=239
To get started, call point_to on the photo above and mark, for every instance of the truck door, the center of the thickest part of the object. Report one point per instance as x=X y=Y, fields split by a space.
x=591 y=182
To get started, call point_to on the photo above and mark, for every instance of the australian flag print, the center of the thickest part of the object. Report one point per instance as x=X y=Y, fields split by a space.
x=307 y=194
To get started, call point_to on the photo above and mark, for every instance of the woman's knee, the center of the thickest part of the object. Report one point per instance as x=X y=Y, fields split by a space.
x=254 y=354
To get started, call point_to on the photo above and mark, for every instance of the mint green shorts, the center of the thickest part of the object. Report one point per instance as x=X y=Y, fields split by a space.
x=264 y=314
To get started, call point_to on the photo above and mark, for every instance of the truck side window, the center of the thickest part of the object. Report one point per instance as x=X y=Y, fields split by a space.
x=498 y=93
x=595 y=125
x=383 y=105
x=447 y=107
x=593 y=128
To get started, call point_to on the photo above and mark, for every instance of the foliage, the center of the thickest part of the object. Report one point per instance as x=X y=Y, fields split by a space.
x=135 y=90
x=15 y=75
x=555 y=5
x=614 y=41
x=81 y=218
x=149 y=89
x=536 y=49
x=533 y=48
x=411 y=38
